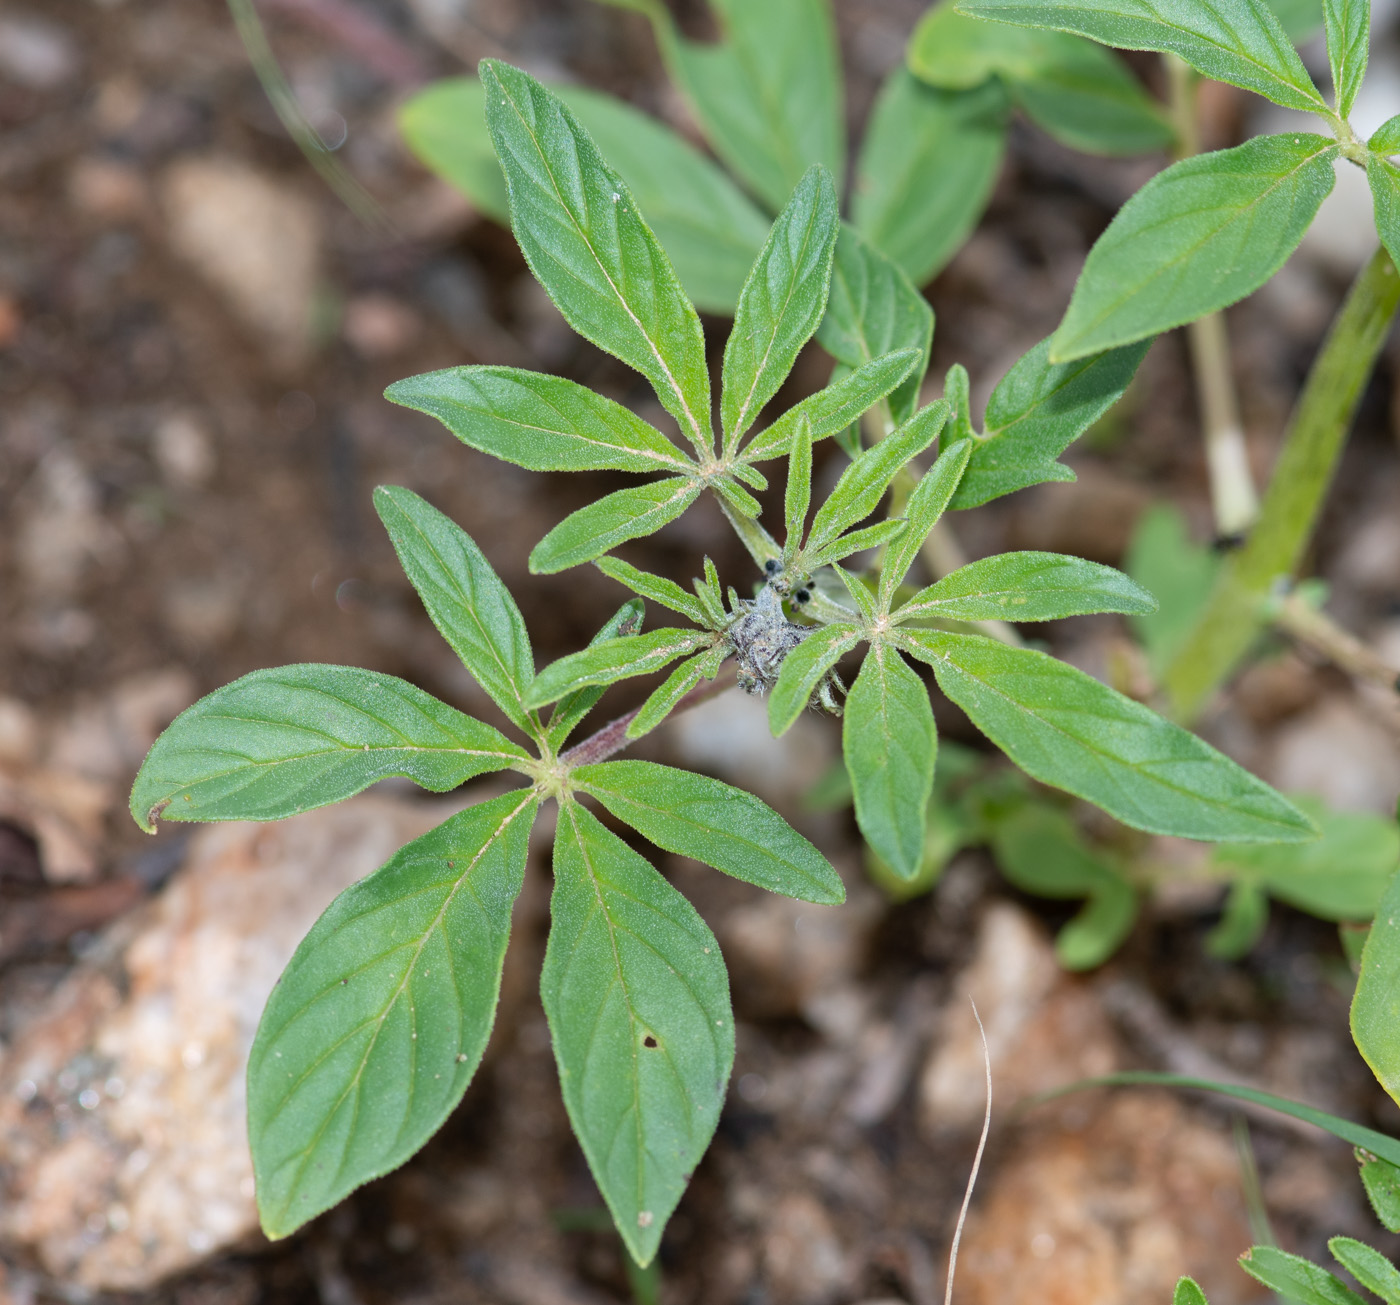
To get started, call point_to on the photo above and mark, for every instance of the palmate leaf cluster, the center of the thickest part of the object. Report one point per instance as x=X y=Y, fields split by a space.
x=381 y=1017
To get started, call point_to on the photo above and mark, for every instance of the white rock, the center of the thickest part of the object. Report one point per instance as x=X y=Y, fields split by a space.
x=254 y=240
x=123 y=1151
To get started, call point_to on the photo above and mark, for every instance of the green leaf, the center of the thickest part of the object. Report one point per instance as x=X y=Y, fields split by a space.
x=725 y=827
x=768 y=96
x=445 y=126
x=1378 y=1144
x=926 y=170
x=737 y=497
x=1301 y=19
x=1381 y=1179
x=1066 y=729
x=1078 y=92
x=890 y=745
x=860 y=594
x=1348 y=25
x=1036 y=412
x=1295 y=1278
x=926 y=504
x=1200 y=235
x=664 y=699
x=1340 y=876
x=1027 y=587
x=798 y=496
x=665 y=592
x=1386 y=138
x=589 y=246
x=1235 y=41
x=1384 y=179
x=612 y=520
x=470 y=606
x=1041 y=851
x=874 y=309
x=1375 y=1007
x=279 y=742
x=781 y=304
x=857 y=541
x=836 y=407
x=637 y=1000
x=803 y=670
x=379 y=1021
x=1369 y=1267
x=615 y=659
x=1188 y=1292
x=1163 y=558
x=1242 y=922
x=543 y=423
x=864 y=482
x=573 y=707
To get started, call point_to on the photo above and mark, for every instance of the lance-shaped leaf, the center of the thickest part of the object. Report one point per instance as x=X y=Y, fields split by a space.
x=1384 y=179
x=890 y=745
x=926 y=504
x=637 y=1000
x=615 y=659
x=768 y=95
x=1386 y=138
x=1295 y=1278
x=612 y=520
x=1027 y=587
x=279 y=742
x=573 y=707
x=723 y=826
x=1348 y=25
x=379 y=1021
x=1075 y=90
x=1235 y=41
x=1036 y=412
x=857 y=541
x=1066 y=729
x=1375 y=1007
x=803 y=670
x=781 y=304
x=873 y=308
x=544 y=423
x=836 y=407
x=1200 y=235
x=864 y=482
x=1041 y=851
x=1188 y=1292
x=1301 y=19
x=1368 y=1266
x=798 y=495
x=588 y=244
x=470 y=606
x=660 y=590
x=1381 y=1179
x=710 y=229
x=926 y=169
x=667 y=696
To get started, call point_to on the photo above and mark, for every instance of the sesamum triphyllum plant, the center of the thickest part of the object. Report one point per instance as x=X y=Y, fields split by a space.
x=379 y=1022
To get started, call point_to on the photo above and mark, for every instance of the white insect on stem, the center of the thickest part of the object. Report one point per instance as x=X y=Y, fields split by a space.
x=976 y=1160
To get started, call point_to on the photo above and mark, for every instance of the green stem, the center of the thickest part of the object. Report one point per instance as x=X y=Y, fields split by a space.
x=1235 y=611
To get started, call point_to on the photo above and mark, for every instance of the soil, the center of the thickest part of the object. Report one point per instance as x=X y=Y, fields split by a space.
x=207 y=495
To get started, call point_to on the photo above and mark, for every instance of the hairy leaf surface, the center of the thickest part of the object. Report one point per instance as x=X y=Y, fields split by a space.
x=612 y=520
x=1384 y=179
x=1368 y=1266
x=803 y=670
x=1064 y=728
x=1348 y=24
x=573 y=707
x=543 y=423
x=1295 y=1278
x=1375 y=1007
x=470 y=606
x=1036 y=412
x=589 y=246
x=1236 y=41
x=890 y=745
x=1200 y=235
x=723 y=826
x=379 y=1021
x=921 y=513
x=279 y=742
x=615 y=659
x=637 y=999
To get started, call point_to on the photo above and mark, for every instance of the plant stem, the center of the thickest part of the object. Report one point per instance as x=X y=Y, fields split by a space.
x=612 y=738
x=1311 y=448
x=1318 y=631
x=1232 y=494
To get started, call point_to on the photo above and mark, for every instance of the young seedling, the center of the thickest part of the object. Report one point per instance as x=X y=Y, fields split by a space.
x=379 y=1022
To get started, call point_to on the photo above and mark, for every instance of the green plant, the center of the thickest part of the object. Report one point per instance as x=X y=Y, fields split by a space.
x=379 y=1022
